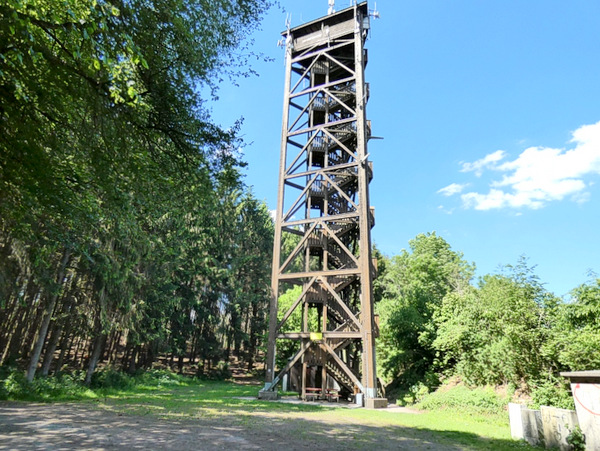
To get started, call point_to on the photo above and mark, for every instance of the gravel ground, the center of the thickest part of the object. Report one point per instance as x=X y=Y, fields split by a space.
x=81 y=426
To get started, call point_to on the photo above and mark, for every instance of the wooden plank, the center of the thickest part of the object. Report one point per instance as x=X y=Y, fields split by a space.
x=342 y=365
x=290 y=364
x=326 y=335
x=341 y=303
x=297 y=248
x=307 y=274
x=330 y=218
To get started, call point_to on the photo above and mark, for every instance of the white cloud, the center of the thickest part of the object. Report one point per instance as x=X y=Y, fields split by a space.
x=489 y=161
x=452 y=189
x=538 y=175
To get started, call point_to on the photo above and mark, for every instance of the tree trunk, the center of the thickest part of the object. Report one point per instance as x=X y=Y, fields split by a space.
x=13 y=344
x=65 y=347
x=114 y=348
x=96 y=353
x=78 y=345
x=131 y=368
x=37 y=350
x=180 y=363
x=18 y=330
x=48 y=351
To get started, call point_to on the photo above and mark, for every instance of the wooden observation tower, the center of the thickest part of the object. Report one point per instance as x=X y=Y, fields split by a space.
x=323 y=221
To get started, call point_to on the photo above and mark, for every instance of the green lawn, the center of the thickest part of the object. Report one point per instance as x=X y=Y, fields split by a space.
x=175 y=400
x=220 y=402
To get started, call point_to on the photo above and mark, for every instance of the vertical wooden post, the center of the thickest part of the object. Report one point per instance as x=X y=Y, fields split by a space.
x=270 y=366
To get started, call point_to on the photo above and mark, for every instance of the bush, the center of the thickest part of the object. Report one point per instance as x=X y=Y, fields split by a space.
x=551 y=392
x=111 y=378
x=15 y=386
x=576 y=439
x=476 y=400
x=65 y=386
x=220 y=372
x=59 y=387
x=159 y=378
x=415 y=394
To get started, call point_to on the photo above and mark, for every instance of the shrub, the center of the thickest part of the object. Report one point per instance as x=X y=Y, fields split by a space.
x=415 y=394
x=69 y=386
x=159 y=378
x=60 y=387
x=576 y=439
x=460 y=397
x=551 y=392
x=111 y=378
x=15 y=386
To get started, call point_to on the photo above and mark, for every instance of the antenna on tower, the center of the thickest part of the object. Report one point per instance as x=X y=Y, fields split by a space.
x=331 y=8
x=288 y=23
x=375 y=14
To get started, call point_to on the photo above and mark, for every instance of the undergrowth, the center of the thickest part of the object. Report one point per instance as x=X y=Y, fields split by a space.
x=485 y=400
x=479 y=400
x=551 y=392
x=70 y=387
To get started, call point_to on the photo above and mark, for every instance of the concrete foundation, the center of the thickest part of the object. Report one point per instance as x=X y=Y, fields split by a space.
x=526 y=424
x=558 y=424
x=376 y=403
x=268 y=395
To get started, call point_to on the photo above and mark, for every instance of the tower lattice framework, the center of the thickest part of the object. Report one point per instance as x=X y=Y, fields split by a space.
x=323 y=220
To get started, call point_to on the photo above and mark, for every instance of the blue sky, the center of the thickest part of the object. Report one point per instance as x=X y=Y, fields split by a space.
x=490 y=113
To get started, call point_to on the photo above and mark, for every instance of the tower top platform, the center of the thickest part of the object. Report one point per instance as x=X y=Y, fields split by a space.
x=333 y=26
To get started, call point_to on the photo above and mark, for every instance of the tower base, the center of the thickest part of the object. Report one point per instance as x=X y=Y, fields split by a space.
x=268 y=395
x=376 y=403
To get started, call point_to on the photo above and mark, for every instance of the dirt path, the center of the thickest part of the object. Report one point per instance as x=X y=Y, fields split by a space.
x=80 y=426
x=69 y=426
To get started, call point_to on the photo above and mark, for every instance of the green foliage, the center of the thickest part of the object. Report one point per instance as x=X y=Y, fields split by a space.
x=461 y=398
x=414 y=285
x=14 y=386
x=287 y=348
x=507 y=330
x=417 y=392
x=111 y=378
x=220 y=372
x=71 y=387
x=382 y=268
x=414 y=395
x=551 y=391
x=493 y=335
x=62 y=387
x=576 y=439
x=576 y=333
x=108 y=155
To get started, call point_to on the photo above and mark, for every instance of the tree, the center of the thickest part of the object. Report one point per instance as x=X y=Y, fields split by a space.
x=109 y=156
x=493 y=334
x=576 y=335
x=415 y=284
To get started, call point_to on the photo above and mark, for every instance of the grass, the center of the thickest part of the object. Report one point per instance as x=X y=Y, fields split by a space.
x=165 y=396
x=225 y=402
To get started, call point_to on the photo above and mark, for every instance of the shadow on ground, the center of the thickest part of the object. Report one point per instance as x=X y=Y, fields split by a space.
x=84 y=426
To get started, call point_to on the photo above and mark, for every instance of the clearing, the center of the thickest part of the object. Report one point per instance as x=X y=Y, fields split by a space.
x=223 y=415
